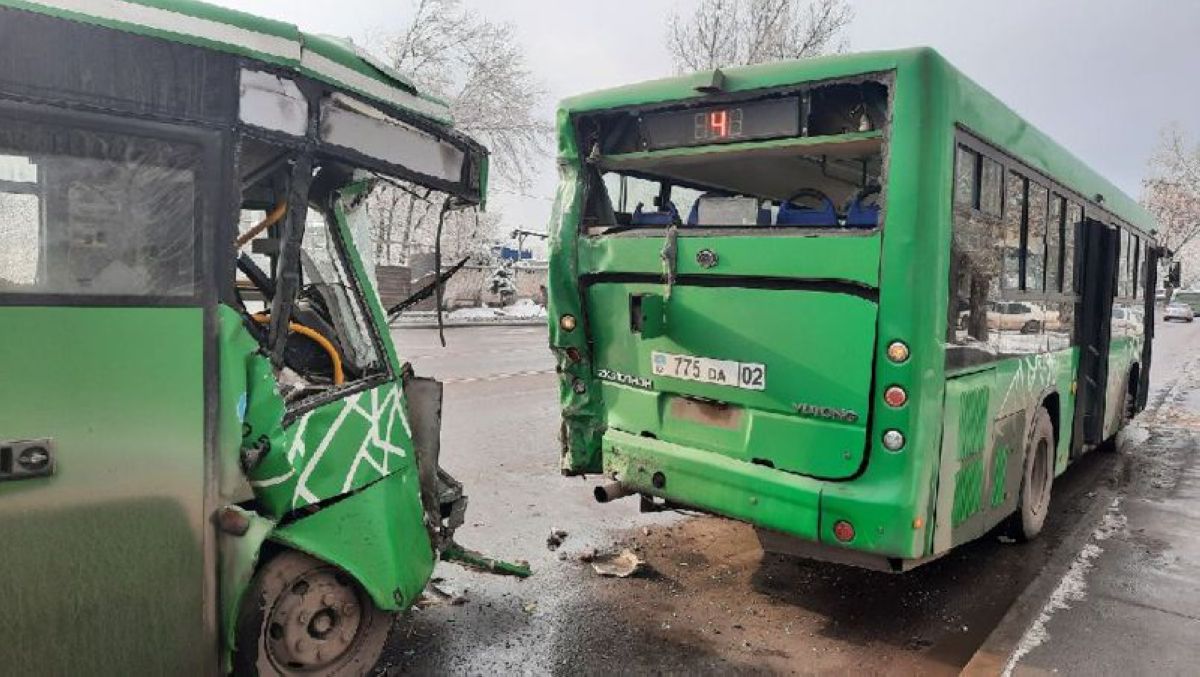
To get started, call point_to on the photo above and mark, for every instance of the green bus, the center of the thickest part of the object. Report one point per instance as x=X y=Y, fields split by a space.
x=854 y=301
x=211 y=456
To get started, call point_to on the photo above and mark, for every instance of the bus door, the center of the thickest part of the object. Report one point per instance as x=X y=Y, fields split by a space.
x=102 y=394
x=1100 y=246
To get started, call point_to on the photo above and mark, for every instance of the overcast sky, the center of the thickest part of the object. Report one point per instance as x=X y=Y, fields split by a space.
x=1099 y=76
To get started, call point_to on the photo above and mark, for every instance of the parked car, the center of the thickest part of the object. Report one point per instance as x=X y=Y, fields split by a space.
x=1179 y=311
x=1189 y=297
x=1022 y=317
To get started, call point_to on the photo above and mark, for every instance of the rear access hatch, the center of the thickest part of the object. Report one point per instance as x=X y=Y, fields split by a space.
x=772 y=373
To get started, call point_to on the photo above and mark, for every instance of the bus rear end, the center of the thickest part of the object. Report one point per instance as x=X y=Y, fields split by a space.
x=716 y=304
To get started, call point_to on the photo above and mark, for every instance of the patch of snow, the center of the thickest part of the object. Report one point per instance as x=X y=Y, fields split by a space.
x=1072 y=587
x=524 y=309
x=468 y=314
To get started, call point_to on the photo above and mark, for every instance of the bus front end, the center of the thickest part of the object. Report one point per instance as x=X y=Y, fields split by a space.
x=729 y=332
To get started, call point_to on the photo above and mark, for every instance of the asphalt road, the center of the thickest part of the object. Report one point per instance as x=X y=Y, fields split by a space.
x=711 y=602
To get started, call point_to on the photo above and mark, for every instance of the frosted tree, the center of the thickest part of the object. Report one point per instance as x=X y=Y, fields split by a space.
x=1171 y=193
x=478 y=67
x=719 y=33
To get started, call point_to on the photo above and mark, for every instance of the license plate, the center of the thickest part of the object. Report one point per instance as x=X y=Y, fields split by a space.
x=747 y=375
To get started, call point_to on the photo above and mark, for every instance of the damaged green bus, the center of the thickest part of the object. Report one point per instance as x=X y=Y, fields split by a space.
x=854 y=301
x=211 y=456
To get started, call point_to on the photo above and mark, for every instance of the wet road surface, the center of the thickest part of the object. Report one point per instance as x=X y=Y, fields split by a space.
x=711 y=600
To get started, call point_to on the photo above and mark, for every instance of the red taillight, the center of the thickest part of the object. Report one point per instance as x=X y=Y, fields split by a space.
x=844 y=531
x=895 y=396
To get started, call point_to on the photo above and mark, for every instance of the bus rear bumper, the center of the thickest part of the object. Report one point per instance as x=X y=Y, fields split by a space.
x=757 y=494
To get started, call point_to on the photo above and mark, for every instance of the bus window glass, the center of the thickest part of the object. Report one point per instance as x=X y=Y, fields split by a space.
x=1122 y=288
x=1135 y=267
x=1014 y=214
x=1074 y=225
x=1035 y=240
x=991 y=187
x=329 y=294
x=111 y=216
x=972 y=331
x=964 y=177
x=1054 y=232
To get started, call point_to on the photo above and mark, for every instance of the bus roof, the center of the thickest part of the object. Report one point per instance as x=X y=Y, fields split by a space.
x=970 y=105
x=337 y=61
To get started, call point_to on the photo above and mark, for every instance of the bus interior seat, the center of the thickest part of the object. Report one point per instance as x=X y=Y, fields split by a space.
x=822 y=215
x=860 y=213
x=662 y=217
x=693 y=219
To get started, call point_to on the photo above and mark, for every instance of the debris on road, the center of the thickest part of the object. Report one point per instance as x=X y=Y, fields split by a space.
x=556 y=538
x=621 y=565
x=435 y=596
x=481 y=562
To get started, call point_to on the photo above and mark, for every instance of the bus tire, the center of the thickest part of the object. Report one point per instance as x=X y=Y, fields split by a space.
x=1037 y=476
x=302 y=616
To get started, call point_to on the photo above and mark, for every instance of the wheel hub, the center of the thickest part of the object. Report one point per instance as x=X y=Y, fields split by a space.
x=314 y=623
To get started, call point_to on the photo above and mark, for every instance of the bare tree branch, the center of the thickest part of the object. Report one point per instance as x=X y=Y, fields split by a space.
x=1171 y=193
x=741 y=32
x=478 y=67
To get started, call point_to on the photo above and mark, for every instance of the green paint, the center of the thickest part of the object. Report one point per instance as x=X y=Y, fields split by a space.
x=820 y=348
x=112 y=543
x=968 y=489
x=377 y=536
x=999 y=471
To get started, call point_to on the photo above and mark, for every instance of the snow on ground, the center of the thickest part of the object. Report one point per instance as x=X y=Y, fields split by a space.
x=524 y=309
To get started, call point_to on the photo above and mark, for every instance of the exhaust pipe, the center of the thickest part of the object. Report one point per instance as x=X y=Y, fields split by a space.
x=611 y=492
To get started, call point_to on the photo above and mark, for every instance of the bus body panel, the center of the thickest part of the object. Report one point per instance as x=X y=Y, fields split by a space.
x=808 y=415
x=112 y=541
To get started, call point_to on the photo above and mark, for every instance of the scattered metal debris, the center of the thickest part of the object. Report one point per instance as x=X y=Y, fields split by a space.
x=556 y=538
x=435 y=596
x=479 y=561
x=620 y=565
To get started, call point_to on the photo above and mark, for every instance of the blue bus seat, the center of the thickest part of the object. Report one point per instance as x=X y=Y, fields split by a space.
x=859 y=215
x=824 y=215
x=656 y=218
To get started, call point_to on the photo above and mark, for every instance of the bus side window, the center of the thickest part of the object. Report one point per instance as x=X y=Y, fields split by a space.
x=1014 y=222
x=991 y=187
x=966 y=175
x=1074 y=224
x=971 y=337
x=1054 y=237
x=1035 y=239
x=1136 y=267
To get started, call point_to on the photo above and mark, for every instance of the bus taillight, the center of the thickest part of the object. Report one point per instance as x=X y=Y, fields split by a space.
x=844 y=531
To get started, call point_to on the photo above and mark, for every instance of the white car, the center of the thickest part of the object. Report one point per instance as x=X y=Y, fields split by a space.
x=1178 y=311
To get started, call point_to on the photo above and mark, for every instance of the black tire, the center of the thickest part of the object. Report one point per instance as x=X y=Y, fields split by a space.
x=1031 y=327
x=1037 y=477
x=1129 y=403
x=290 y=619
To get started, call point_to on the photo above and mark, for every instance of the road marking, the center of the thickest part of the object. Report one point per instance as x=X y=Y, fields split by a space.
x=498 y=377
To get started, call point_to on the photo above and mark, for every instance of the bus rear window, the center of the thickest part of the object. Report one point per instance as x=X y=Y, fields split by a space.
x=835 y=185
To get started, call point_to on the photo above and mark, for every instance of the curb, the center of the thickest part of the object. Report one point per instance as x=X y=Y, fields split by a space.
x=426 y=324
x=992 y=656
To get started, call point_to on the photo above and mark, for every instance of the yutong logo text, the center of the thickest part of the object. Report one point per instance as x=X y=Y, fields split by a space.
x=625 y=379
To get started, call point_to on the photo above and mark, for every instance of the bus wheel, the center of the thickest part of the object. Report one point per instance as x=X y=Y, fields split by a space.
x=304 y=616
x=1036 y=478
